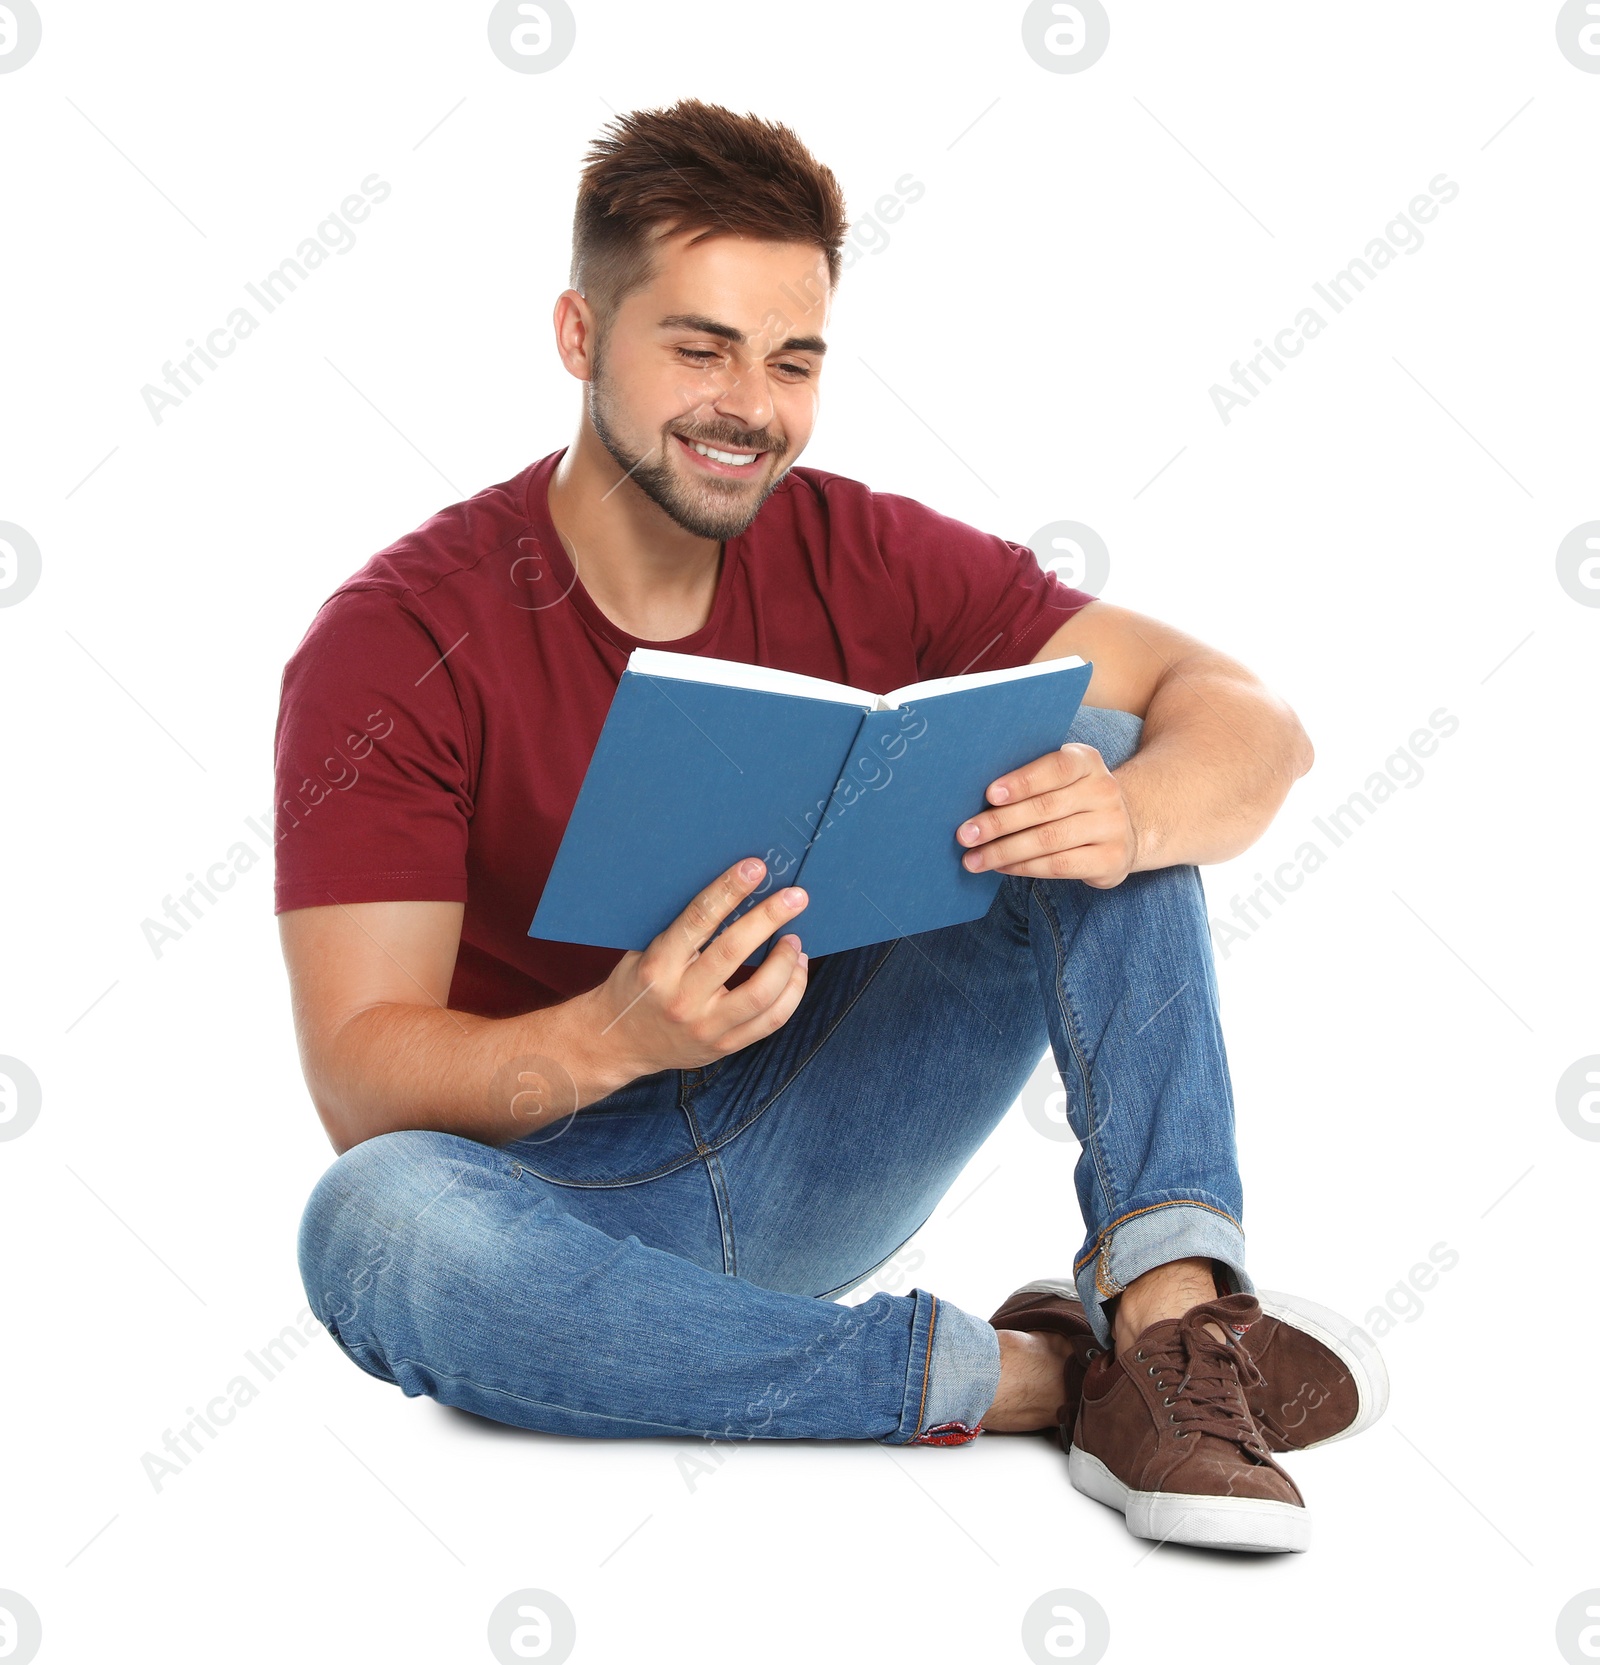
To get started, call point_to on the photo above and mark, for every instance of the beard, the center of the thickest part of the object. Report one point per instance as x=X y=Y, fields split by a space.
x=707 y=506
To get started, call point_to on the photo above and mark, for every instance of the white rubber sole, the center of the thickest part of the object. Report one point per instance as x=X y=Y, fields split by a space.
x=1351 y=1344
x=1252 y=1524
x=1047 y=1286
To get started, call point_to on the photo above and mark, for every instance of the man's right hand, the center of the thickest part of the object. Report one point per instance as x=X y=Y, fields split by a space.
x=384 y=1051
x=668 y=1006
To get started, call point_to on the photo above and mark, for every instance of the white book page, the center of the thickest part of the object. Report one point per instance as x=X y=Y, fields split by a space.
x=733 y=673
x=976 y=679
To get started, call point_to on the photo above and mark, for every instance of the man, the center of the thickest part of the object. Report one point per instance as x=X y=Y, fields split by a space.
x=613 y=1194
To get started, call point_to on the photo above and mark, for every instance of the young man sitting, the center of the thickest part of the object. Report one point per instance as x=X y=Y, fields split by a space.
x=614 y=1194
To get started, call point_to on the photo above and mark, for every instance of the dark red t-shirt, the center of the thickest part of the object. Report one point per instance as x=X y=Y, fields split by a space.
x=437 y=719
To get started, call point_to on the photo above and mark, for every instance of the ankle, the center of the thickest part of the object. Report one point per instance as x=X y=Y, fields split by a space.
x=1163 y=1292
x=1030 y=1389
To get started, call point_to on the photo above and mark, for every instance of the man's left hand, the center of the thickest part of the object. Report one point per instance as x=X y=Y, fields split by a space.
x=1063 y=817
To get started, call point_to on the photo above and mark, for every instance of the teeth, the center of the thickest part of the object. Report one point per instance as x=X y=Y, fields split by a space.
x=736 y=458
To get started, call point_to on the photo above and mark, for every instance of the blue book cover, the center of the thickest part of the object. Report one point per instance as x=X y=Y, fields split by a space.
x=855 y=796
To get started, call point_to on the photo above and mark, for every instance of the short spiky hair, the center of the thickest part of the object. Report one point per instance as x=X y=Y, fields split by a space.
x=694 y=167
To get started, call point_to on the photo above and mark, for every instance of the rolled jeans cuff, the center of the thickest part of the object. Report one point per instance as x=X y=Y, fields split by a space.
x=953 y=1374
x=1150 y=1236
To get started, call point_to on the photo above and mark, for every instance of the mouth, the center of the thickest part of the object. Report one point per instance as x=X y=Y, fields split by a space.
x=724 y=461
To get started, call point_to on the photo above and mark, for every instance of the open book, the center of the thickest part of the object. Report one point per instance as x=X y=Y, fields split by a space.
x=854 y=796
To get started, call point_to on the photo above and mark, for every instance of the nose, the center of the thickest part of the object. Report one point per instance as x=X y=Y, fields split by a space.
x=745 y=398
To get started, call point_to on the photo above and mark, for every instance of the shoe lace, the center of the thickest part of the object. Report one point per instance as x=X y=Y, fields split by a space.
x=1209 y=1382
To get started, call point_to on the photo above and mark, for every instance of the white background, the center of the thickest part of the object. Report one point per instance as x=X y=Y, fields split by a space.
x=1375 y=534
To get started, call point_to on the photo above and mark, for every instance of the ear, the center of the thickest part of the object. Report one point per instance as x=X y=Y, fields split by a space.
x=576 y=331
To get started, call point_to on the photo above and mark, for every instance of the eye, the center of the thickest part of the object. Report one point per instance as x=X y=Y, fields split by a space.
x=801 y=370
x=697 y=355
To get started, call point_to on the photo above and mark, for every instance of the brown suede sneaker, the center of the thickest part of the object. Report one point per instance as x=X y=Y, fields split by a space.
x=1323 y=1377
x=1165 y=1435
x=1055 y=1309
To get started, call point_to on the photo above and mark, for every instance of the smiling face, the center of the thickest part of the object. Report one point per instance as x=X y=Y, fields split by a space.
x=704 y=387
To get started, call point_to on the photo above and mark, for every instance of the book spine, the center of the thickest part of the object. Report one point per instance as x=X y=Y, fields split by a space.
x=821 y=815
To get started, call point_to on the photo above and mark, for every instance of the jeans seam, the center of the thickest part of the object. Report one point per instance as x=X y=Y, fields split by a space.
x=822 y=1041
x=927 y=1360
x=1069 y=1023
x=715 y=1178
x=612 y=1184
x=546 y=1404
x=1102 y=1240
x=724 y=1202
x=671 y=1165
x=861 y=1277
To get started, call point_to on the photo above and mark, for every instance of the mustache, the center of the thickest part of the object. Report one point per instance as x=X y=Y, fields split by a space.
x=740 y=439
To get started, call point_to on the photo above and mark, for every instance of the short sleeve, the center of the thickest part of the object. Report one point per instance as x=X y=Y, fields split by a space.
x=977 y=602
x=372 y=766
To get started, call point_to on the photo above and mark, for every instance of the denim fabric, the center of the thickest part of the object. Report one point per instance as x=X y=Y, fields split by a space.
x=664 y=1263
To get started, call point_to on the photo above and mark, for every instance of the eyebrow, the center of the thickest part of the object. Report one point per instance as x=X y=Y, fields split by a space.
x=736 y=337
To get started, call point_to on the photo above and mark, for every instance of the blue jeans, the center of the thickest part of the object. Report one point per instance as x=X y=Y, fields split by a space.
x=664 y=1262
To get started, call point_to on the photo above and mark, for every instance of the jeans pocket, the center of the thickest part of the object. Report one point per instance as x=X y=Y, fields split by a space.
x=632 y=1134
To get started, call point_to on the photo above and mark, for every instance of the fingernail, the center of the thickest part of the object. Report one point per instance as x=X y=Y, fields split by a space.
x=969 y=833
x=972 y=862
x=804 y=959
x=999 y=795
x=750 y=868
x=793 y=897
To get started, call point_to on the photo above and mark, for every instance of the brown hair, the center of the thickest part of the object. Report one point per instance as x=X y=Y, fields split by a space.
x=694 y=167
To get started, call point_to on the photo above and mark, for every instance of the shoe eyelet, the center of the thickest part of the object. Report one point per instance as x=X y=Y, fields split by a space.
x=1166 y=1401
x=1151 y=1371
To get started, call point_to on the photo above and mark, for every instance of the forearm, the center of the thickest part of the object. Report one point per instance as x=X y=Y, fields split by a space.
x=396 y=1066
x=1217 y=757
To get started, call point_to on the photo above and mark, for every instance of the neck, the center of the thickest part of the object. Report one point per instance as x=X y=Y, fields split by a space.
x=643 y=570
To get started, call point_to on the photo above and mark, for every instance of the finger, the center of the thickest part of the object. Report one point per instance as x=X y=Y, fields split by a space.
x=1094 y=864
x=775 y=1016
x=763 y=986
x=1054 y=804
x=697 y=924
x=1069 y=762
x=717 y=963
x=1046 y=839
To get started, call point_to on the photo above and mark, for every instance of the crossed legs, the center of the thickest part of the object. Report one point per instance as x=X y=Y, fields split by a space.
x=655 y=1265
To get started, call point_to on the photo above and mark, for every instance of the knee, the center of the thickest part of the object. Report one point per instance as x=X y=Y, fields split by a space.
x=1114 y=734
x=365 y=1211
